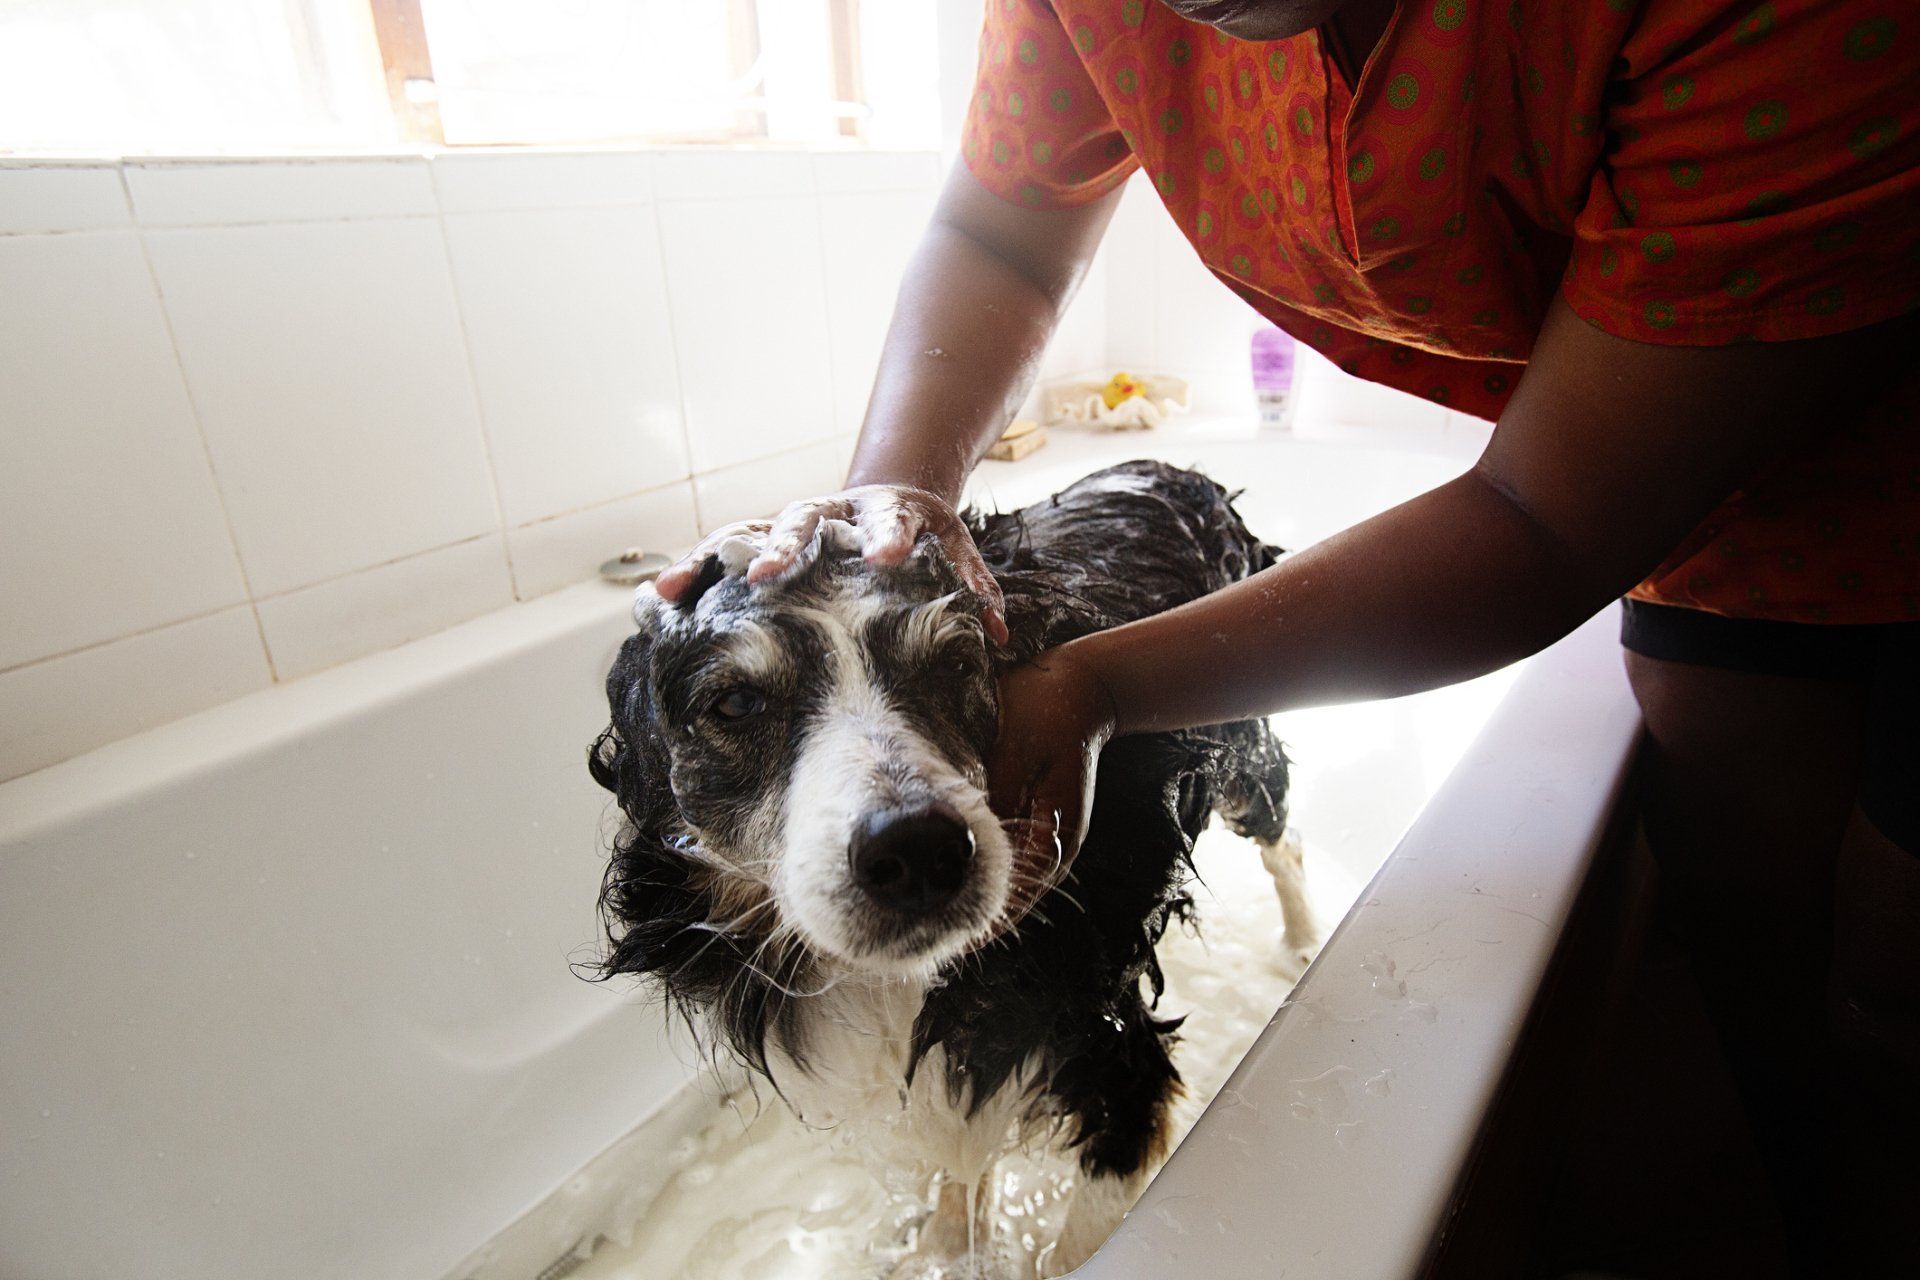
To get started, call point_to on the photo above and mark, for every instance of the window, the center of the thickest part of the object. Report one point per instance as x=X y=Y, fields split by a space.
x=210 y=76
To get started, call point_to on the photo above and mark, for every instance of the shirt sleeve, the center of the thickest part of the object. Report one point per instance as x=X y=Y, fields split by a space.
x=1037 y=132
x=1762 y=175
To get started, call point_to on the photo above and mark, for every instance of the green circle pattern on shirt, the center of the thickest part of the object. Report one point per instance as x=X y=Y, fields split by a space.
x=1660 y=315
x=1214 y=160
x=1449 y=14
x=1016 y=103
x=1386 y=229
x=1403 y=91
x=1755 y=26
x=1042 y=152
x=1873 y=137
x=1433 y=163
x=1824 y=302
x=1029 y=52
x=1179 y=52
x=1765 y=119
x=1303 y=121
x=1203 y=224
x=1083 y=38
x=1061 y=100
x=1684 y=174
x=1871 y=38
x=1126 y=80
x=1297 y=188
x=1360 y=168
x=1742 y=282
x=1171 y=120
x=1837 y=237
x=1133 y=12
x=1675 y=92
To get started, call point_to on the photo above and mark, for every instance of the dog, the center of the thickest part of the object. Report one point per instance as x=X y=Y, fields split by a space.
x=809 y=871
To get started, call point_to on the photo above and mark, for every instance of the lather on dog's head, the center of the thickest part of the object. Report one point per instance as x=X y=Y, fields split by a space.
x=801 y=765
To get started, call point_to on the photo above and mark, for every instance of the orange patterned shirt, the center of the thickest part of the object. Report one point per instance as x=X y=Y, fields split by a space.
x=1684 y=173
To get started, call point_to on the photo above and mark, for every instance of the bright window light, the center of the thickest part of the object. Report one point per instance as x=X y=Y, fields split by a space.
x=250 y=76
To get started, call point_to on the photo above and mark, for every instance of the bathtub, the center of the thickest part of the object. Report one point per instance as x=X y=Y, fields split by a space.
x=287 y=985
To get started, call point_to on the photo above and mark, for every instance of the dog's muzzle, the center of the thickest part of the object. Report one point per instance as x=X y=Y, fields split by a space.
x=912 y=860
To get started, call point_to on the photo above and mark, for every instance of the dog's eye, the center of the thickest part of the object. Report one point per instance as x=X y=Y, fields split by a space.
x=739 y=704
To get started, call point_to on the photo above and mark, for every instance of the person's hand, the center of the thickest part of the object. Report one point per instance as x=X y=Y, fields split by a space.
x=1055 y=716
x=887 y=518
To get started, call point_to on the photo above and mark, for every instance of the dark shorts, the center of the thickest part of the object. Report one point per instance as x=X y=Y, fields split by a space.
x=1885 y=658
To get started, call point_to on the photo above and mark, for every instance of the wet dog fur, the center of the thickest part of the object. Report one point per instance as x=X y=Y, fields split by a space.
x=754 y=729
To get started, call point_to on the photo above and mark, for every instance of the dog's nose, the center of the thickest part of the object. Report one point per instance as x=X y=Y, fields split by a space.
x=912 y=860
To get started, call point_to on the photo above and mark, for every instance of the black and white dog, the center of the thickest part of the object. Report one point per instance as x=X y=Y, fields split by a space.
x=809 y=870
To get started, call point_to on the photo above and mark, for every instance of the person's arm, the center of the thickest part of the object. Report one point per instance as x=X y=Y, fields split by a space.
x=1608 y=455
x=978 y=303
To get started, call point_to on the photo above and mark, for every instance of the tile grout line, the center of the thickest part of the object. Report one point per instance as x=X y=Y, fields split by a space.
x=199 y=428
x=253 y=604
x=826 y=311
x=473 y=383
x=673 y=347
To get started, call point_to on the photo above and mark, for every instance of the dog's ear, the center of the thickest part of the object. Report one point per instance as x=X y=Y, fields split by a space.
x=629 y=759
x=646 y=896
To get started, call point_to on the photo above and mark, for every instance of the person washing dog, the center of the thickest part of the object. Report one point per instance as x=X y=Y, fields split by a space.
x=1673 y=249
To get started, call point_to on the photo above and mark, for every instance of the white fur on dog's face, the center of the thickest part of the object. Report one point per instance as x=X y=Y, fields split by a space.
x=874 y=694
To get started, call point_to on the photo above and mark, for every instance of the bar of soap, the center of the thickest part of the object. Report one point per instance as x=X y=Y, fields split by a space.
x=1020 y=439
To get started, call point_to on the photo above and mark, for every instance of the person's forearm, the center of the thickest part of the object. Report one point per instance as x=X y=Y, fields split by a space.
x=975 y=311
x=1453 y=584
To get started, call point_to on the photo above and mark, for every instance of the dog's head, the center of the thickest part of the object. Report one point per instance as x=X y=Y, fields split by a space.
x=805 y=762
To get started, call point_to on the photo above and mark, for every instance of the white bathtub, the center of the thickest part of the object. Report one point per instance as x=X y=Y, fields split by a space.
x=286 y=984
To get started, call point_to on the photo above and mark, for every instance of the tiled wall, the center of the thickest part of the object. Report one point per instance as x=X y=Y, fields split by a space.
x=1166 y=312
x=260 y=417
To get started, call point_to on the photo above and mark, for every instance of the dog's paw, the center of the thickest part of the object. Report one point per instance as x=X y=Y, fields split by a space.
x=1290 y=959
x=930 y=1267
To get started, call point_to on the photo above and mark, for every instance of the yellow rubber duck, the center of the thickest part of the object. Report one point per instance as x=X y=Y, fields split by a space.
x=1123 y=386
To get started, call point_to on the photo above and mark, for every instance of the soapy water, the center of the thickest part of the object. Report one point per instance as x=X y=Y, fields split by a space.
x=756 y=1196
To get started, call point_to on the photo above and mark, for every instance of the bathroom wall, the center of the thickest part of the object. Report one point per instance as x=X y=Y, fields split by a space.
x=260 y=417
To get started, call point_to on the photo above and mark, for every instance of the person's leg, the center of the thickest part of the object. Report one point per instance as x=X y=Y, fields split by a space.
x=1876 y=988
x=1750 y=778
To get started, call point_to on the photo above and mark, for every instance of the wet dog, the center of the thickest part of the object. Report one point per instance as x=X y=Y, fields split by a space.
x=809 y=871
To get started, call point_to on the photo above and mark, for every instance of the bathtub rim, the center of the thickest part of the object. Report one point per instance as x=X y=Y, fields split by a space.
x=1316 y=1194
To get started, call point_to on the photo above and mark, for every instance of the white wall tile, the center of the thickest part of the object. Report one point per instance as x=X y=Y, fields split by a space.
x=1332 y=399
x=868 y=240
x=374 y=609
x=475 y=181
x=571 y=548
x=566 y=316
x=61 y=197
x=56 y=709
x=1132 y=286
x=763 y=486
x=1203 y=331
x=109 y=521
x=749 y=312
x=189 y=193
x=327 y=364
x=707 y=173
x=846 y=172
